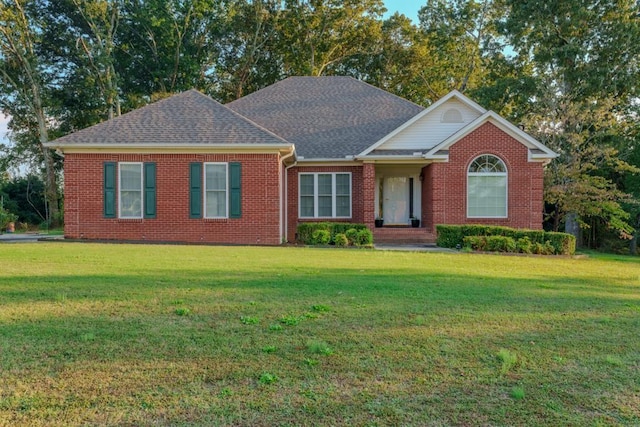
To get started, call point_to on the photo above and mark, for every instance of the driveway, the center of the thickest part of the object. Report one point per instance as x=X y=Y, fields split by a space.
x=26 y=237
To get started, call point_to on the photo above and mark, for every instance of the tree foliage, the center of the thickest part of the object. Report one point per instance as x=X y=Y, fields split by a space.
x=566 y=70
x=583 y=58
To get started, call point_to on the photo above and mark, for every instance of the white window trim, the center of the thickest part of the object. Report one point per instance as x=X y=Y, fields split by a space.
x=226 y=190
x=333 y=195
x=506 y=189
x=120 y=190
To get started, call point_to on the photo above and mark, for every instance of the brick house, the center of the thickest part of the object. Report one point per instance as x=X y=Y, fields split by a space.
x=188 y=169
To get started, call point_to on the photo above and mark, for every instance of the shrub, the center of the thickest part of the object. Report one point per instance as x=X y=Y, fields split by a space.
x=365 y=237
x=477 y=243
x=449 y=236
x=543 y=248
x=523 y=245
x=306 y=230
x=340 y=240
x=352 y=236
x=563 y=243
x=321 y=237
x=500 y=244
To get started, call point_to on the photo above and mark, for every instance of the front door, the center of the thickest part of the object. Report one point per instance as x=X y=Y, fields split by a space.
x=395 y=205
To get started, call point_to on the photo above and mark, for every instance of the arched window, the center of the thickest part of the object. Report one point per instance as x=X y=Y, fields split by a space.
x=452 y=115
x=487 y=188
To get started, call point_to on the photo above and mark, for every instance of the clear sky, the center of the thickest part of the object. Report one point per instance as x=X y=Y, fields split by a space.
x=407 y=7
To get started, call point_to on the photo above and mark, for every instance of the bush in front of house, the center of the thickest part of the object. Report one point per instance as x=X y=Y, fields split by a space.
x=365 y=237
x=523 y=241
x=352 y=236
x=341 y=240
x=315 y=233
x=320 y=237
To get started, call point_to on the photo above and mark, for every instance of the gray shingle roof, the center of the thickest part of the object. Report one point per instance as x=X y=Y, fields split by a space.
x=326 y=117
x=186 y=118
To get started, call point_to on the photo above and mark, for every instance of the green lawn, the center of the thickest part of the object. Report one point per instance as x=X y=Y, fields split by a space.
x=197 y=335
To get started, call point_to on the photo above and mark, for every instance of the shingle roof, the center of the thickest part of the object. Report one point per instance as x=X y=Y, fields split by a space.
x=186 y=118
x=326 y=117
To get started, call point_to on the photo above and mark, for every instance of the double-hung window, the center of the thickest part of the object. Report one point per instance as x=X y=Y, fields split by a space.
x=130 y=194
x=215 y=190
x=487 y=188
x=134 y=196
x=325 y=195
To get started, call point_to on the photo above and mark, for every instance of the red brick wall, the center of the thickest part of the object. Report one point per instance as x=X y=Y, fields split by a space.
x=357 y=195
x=259 y=223
x=444 y=195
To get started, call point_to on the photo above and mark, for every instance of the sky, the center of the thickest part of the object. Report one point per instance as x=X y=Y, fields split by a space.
x=407 y=7
x=4 y=120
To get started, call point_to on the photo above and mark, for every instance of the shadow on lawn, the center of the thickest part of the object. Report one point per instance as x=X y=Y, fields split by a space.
x=52 y=310
x=440 y=332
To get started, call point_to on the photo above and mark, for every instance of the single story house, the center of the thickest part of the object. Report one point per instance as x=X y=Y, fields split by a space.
x=189 y=169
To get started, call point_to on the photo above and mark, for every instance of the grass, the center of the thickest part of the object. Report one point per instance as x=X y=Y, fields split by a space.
x=91 y=335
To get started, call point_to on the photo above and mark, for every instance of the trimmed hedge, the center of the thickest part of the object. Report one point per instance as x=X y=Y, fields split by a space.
x=316 y=233
x=525 y=241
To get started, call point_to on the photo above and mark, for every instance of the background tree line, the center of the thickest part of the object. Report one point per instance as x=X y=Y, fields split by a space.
x=565 y=69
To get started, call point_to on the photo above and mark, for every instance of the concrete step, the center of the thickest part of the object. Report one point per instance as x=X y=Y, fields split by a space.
x=399 y=235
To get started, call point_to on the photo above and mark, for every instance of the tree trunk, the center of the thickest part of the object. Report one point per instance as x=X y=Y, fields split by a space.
x=571 y=226
x=51 y=183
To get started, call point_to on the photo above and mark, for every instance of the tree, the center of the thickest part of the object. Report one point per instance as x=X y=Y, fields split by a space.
x=464 y=43
x=248 y=56
x=584 y=59
x=24 y=197
x=24 y=87
x=165 y=46
x=316 y=36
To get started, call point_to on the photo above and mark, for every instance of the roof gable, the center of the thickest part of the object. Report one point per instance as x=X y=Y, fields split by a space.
x=326 y=117
x=431 y=126
x=187 y=118
x=537 y=150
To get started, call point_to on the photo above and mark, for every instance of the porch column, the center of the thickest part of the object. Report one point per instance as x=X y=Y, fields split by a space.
x=369 y=196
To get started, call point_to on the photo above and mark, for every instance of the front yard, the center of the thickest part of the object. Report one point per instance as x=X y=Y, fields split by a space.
x=200 y=335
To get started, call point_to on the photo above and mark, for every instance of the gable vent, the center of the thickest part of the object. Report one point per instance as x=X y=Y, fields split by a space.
x=452 y=115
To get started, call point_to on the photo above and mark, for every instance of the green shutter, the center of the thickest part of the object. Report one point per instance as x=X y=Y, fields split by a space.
x=149 y=190
x=195 y=190
x=235 y=190
x=109 y=190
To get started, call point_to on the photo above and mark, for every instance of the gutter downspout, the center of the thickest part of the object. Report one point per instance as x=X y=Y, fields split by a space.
x=284 y=206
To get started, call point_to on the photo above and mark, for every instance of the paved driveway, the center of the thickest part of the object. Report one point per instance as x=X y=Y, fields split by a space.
x=26 y=237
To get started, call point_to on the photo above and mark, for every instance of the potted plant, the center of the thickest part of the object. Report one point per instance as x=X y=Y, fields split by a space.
x=7 y=220
x=379 y=222
x=415 y=222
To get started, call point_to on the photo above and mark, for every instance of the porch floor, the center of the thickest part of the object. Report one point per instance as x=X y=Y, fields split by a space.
x=400 y=235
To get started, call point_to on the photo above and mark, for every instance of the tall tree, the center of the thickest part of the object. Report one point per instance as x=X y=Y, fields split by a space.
x=248 y=56
x=98 y=44
x=464 y=43
x=318 y=35
x=24 y=79
x=165 y=45
x=584 y=56
x=397 y=61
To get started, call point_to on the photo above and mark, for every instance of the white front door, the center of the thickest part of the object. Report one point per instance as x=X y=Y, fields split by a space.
x=395 y=205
